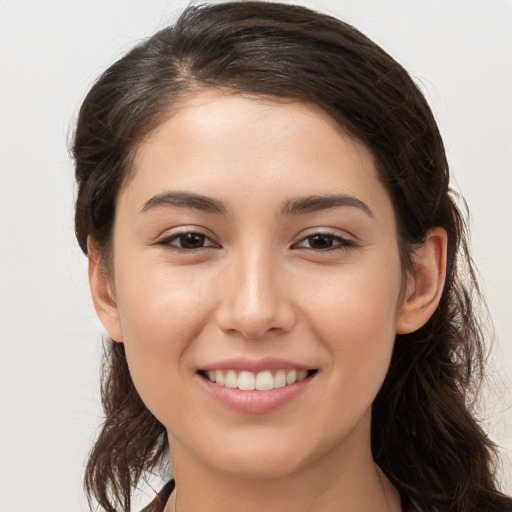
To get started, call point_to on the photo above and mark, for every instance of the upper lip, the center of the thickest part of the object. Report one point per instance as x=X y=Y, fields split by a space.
x=255 y=365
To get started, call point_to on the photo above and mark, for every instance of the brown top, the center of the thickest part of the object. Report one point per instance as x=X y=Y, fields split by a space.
x=158 y=504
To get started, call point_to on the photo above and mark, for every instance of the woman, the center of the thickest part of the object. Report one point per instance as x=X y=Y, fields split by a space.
x=276 y=257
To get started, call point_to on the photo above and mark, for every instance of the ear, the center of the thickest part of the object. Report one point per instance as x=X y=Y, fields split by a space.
x=425 y=285
x=102 y=292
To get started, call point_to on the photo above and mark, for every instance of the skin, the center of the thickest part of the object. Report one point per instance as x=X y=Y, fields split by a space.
x=257 y=288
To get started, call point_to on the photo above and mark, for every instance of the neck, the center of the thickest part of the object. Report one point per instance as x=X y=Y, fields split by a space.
x=344 y=479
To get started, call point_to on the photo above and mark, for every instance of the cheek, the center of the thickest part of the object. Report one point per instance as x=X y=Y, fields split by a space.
x=161 y=315
x=354 y=316
x=161 y=308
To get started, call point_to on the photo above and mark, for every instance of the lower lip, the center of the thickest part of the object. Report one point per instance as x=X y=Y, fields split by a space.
x=255 y=402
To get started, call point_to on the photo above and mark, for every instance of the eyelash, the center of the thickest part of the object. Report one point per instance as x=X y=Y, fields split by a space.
x=338 y=242
x=167 y=241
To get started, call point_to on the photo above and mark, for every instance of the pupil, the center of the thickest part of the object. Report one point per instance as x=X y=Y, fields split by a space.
x=192 y=240
x=320 y=241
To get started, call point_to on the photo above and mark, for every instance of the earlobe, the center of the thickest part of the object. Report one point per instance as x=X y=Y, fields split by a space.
x=103 y=293
x=425 y=286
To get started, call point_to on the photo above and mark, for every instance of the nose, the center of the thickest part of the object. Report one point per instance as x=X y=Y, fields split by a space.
x=254 y=299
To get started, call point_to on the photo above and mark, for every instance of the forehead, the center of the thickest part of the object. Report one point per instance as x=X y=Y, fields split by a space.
x=224 y=118
x=216 y=143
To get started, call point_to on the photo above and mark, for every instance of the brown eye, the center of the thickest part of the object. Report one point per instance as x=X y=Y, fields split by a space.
x=321 y=241
x=191 y=240
x=324 y=242
x=187 y=241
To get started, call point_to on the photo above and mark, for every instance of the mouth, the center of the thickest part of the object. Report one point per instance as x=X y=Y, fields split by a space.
x=250 y=386
x=265 y=380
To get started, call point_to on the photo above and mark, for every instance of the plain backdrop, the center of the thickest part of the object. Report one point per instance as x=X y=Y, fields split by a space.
x=459 y=51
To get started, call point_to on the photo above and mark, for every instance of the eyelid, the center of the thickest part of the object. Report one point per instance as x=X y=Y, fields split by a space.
x=170 y=235
x=347 y=241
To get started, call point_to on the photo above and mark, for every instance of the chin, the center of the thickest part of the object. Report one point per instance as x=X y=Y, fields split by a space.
x=263 y=453
x=260 y=466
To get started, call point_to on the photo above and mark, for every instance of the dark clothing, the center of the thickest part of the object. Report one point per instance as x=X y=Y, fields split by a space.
x=158 y=504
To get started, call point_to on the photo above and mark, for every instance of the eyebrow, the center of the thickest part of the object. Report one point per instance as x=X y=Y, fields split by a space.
x=186 y=200
x=310 y=204
x=297 y=206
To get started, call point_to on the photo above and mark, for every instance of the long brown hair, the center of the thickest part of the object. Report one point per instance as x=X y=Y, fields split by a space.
x=424 y=433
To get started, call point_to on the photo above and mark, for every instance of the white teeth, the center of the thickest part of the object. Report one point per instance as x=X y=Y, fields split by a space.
x=219 y=377
x=280 y=379
x=246 y=381
x=231 y=380
x=291 y=377
x=301 y=375
x=263 y=381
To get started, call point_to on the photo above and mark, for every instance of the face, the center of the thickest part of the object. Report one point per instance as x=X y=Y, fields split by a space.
x=255 y=246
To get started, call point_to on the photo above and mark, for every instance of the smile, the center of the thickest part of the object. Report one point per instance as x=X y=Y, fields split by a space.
x=255 y=386
x=265 y=380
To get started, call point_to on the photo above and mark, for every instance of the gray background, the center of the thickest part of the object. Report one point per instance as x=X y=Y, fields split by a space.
x=460 y=51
